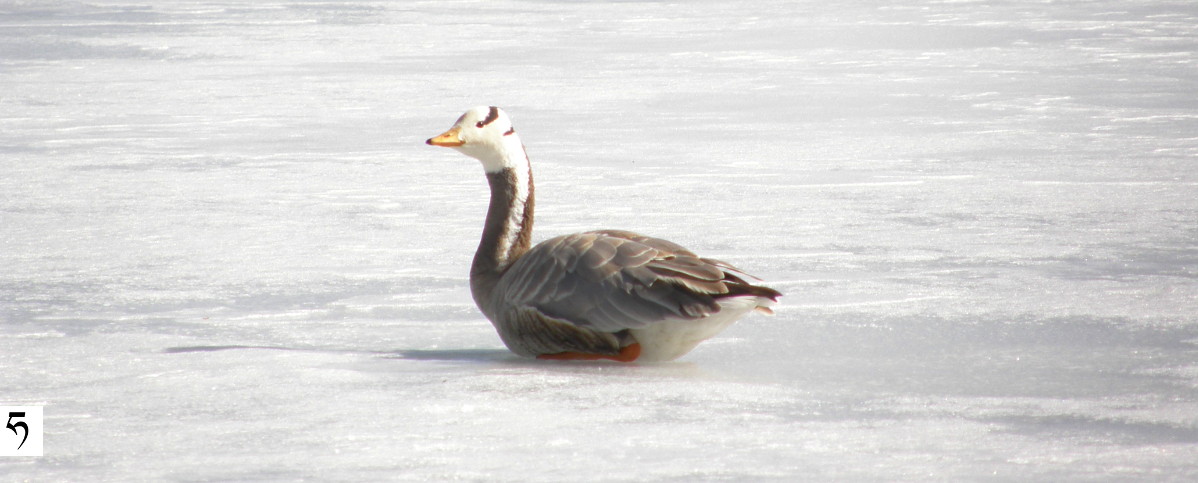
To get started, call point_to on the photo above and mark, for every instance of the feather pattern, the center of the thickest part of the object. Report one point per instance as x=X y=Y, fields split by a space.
x=612 y=280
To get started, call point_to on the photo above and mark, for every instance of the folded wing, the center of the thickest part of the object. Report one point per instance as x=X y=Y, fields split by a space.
x=611 y=280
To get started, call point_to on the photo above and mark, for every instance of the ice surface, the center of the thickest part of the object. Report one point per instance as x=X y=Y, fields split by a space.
x=225 y=253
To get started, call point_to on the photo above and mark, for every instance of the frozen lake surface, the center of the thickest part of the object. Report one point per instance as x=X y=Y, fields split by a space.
x=226 y=253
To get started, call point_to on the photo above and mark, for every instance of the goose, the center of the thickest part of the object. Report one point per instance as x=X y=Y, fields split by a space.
x=606 y=294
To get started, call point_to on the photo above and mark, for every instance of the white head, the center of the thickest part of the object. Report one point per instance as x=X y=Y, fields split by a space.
x=485 y=133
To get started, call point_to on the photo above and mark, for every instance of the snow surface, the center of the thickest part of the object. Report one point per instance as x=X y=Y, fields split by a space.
x=226 y=253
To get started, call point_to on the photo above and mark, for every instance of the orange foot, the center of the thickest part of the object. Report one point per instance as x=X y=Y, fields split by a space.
x=627 y=354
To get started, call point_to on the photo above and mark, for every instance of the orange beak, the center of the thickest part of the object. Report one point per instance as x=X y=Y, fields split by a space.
x=447 y=139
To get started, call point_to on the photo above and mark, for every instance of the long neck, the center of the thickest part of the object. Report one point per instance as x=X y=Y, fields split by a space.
x=507 y=233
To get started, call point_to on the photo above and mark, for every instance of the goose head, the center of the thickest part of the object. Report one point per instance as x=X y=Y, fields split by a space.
x=484 y=133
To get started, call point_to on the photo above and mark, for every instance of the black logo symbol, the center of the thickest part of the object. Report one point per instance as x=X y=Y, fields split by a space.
x=19 y=424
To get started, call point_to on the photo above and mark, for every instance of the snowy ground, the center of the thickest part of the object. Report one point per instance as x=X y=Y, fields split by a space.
x=225 y=253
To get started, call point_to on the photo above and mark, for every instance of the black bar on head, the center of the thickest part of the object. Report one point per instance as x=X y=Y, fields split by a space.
x=491 y=117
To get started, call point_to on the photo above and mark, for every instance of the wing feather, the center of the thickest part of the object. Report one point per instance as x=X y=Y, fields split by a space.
x=612 y=280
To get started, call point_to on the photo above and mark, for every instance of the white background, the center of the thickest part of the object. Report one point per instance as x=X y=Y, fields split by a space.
x=226 y=253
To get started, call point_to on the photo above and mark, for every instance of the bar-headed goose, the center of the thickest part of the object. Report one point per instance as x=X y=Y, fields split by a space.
x=604 y=294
